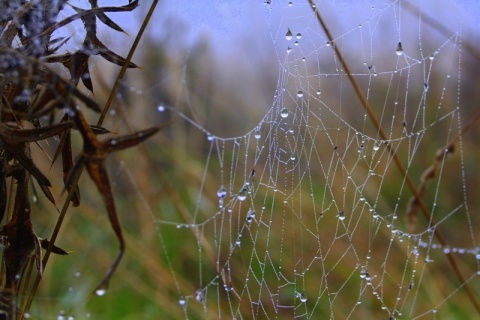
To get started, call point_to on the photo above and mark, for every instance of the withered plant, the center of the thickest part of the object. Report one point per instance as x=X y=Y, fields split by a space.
x=37 y=104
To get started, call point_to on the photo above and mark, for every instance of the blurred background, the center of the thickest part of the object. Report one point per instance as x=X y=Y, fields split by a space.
x=223 y=72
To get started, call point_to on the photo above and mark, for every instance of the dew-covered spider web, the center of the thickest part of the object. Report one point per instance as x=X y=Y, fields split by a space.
x=352 y=195
x=312 y=213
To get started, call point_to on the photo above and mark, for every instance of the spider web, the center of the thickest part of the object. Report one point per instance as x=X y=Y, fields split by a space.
x=308 y=215
x=311 y=213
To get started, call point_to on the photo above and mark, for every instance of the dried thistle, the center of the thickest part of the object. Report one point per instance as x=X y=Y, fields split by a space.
x=29 y=90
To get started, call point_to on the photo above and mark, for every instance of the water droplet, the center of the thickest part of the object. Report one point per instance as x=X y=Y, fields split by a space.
x=367 y=276
x=250 y=215
x=200 y=296
x=222 y=192
x=410 y=286
x=363 y=272
x=376 y=146
x=432 y=56
x=293 y=157
x=299 y=36
x=300 y=94
x=242 y=195
x=210 y=137
x=290 y=4
x=61 y=315
x=296 y=43
x=284 y=113
x=341 y=215
x=101 y=290
x=318 y=92
x=328 y=43
x=289 y=50
x=258 y=134
x=302 y=297
x=399 y=51
x=289 y=35
x=113 y=142
x=161 y=108
x=182 y=301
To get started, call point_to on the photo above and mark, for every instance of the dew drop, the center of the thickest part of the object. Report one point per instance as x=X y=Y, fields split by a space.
x=182 y=301
x=258 y=134
x=299 y=36
x=61 y=315
x=341 y=215
x=210 y=137
x=200 y=296
x=290 y=4
x=293 y=157
x=367 y=276
x=222 y=192
x=289 y=50
x=399 y=51
x=300 y=94
x=425 y=87
x=100 y=292
x=161 y=108
x=328 y=43
x=296 y=43
x=376 y=146
x=250 y=215
x=289 y=35
x=363 y=272
x=302 y=297
x=318 y=92
x=242 y=195
x=284 y=113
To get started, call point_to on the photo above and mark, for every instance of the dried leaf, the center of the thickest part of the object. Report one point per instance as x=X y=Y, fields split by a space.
x=55 y=249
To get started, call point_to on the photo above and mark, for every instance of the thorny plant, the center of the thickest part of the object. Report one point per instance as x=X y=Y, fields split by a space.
x=30 y=92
